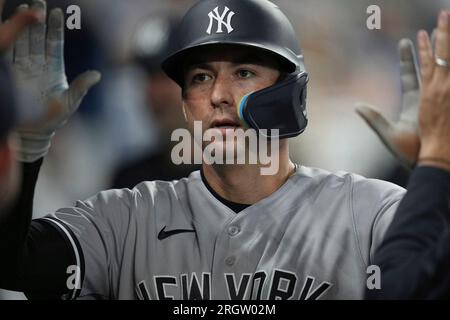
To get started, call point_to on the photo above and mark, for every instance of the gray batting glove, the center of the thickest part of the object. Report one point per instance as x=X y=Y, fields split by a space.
x=38 y=64
x=400 y=137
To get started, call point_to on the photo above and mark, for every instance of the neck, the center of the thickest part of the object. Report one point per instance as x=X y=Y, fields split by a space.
x=244 y=183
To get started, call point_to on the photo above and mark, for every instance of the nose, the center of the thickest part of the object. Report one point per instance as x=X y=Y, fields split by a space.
x=221 y=95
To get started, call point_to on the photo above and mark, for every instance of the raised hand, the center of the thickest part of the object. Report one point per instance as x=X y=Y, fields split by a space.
x=38 y=64
x=434 y=112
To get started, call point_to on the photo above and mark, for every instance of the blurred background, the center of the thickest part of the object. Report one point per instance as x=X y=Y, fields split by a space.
x=121 y=135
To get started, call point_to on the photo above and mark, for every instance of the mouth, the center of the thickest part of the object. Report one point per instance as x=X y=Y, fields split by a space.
x=225 y=124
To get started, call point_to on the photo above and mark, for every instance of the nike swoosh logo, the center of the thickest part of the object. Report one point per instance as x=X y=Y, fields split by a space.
x=163 y=234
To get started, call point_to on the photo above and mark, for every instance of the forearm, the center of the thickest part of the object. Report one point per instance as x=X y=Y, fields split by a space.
x=15 y=227
x=414 y=248
x=28 y=248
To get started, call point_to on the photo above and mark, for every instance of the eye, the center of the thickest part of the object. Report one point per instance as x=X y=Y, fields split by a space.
x=244 y=73
x=200 y=77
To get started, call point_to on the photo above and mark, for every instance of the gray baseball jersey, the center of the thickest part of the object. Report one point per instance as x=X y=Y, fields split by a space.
x=312 y=238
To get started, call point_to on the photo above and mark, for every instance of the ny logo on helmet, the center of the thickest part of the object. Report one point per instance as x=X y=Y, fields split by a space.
x=220 y=18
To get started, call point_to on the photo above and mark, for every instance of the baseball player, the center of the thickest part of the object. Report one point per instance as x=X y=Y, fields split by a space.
x=225 y=232
x=163 y=99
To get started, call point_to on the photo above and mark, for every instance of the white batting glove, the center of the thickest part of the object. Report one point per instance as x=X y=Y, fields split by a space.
x=38 y=65
x=400 y=137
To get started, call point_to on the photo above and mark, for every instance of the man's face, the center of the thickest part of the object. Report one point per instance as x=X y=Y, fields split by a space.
x=216 y=79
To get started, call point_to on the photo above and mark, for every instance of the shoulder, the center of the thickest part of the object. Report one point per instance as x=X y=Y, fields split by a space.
x=362 y=197
x=368 y=204
x=374 y=198
x=147 y=200
x=159 y=188
x=354 y=183
x=157 y=195
x=146 y=191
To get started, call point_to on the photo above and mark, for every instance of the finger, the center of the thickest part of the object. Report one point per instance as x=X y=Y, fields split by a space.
x=426 y=56
x=22 y=47
x=433 y=38
x=80 y=86
x=374 y=119
x=442 y=41
x=37 y=33
x=10 y=30
x=387 y=133
x=408 y=66
x=55 y=40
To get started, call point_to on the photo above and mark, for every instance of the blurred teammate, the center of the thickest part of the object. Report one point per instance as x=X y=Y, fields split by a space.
x=163 y=98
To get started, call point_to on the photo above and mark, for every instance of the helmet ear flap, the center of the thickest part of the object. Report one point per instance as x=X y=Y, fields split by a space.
x=281 y=106
x=301 y=63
